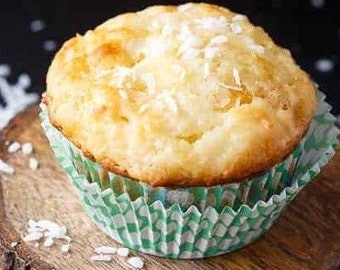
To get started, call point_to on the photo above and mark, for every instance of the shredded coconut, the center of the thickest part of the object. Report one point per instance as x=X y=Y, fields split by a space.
x=223 y=101
x=105 y=250
x=144 y=107
x=257 y=48
x=48 y=242
x=238 y=18
x=184 y=7
x=206 y=70
x=169 y=100
x=123 y=94
x=65 y=248
x=33 y=236
x=136 y=262
x=253 y=46
x=102 y=73
x=101 y=258
x=48 y=230
x=121 y=73
x=317 y=3
x=27 y=148
x=167 y=30
x=213 y=24
x=33 y=164
x=182 y=76
x=184 y=33
x=122 y=252
x=219 y=39
x=236 y=28
x=155 y=25
x=150 y=82
x=230 y=87
x=5 y=70
x=37 y=25
x=191 y=54
x=236 y=75
x=14 y=96
x=211 y=52
x=24 y=80
x=49 y=45
x=5 y=168
x=13 y=147
x=177 y=68
x=324 y=65
x=190 y=42
x=237 y=102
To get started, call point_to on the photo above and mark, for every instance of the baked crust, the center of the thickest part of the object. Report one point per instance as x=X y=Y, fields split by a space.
x=180 y=96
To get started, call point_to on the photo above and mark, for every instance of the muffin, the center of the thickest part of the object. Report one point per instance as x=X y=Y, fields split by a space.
x=187 y=111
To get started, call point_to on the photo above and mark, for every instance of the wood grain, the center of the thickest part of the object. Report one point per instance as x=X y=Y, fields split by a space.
x=307 y=236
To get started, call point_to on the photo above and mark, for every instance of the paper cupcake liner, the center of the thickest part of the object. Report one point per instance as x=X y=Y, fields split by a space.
x=160 y=225
x=248 y=191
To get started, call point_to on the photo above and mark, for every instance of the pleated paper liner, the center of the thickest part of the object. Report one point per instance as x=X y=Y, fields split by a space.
x=194 y=222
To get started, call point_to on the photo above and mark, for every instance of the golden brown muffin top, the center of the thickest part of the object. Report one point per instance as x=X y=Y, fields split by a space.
x=180 y=96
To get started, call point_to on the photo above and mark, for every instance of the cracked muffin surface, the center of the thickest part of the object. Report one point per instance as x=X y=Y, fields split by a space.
x=188 y=95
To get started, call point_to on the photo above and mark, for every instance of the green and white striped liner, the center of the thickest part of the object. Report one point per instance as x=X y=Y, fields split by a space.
x=194 y=222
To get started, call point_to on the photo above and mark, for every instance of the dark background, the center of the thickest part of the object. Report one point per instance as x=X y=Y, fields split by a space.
x=309 y=32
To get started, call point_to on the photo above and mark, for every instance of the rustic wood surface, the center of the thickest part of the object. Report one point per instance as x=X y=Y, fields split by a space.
x=307 y=236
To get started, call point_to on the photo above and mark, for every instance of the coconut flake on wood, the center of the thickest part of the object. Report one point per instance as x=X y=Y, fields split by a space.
x=27 y=148
x=49 y=231
x=136 y=262
x=65 y=248
x=5 y=168
x=33 y=164
x=13 y=147
x=101 y=258
x=122 y=252
x=33 y=236
x=105 y=250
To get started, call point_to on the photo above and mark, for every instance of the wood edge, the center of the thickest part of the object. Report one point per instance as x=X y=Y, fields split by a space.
x=20 y=256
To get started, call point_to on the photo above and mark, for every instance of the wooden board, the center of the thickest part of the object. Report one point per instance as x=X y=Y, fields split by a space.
x=307 y=236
